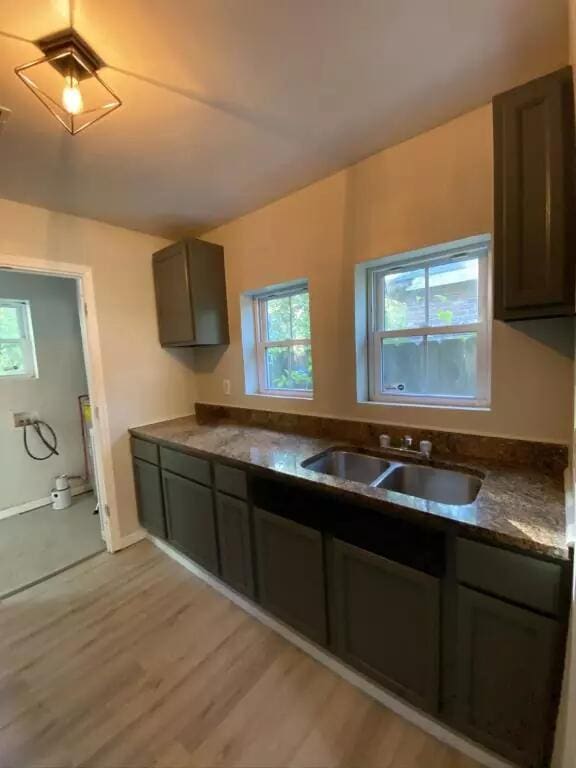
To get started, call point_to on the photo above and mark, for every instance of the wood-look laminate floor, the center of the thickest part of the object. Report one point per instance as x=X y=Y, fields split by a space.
x=129 y=660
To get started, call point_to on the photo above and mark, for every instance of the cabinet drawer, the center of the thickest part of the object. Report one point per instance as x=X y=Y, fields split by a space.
x=185 y=465
x=518 y=578
x=230 y=480
x=142 y=449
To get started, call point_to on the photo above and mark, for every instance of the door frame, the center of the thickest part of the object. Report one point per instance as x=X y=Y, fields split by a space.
x=91 y=346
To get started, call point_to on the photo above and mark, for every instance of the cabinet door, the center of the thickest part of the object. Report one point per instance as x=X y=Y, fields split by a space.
x=235 y=545
x=149 y=497
x=191 y=520
x=387 y=622
x=533 y=198
x=290 y=573
x=173 y=302
x=505 y=672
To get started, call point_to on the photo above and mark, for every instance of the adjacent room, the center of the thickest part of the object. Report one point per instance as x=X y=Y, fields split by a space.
x=287 y=384
x=48 y=509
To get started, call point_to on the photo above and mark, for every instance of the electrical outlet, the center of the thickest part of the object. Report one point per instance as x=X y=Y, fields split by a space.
x=24 y=418
x=226 y=386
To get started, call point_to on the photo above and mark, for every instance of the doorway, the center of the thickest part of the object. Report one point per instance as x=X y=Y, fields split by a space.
x=53 y=485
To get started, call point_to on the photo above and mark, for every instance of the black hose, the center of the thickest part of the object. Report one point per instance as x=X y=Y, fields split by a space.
x=52 y=446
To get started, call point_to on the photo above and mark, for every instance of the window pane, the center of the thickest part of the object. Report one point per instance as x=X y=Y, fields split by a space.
x=403 y=365
x=11 y=359
x=10 y=323
x=452 y=364
x=289 y=367
x=404 y=302
x=453 y=293
x=278 y=318
x=300 y=304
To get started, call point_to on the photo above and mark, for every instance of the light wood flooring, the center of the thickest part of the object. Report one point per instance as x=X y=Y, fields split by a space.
x=129 y=660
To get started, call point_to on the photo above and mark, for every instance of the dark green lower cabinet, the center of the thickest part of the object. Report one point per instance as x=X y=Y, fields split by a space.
x=486 y=666
x=149 y=497
x=290 y=571
x=191 y=519
x=234 y=538
x=505 y=676
x=387 y=622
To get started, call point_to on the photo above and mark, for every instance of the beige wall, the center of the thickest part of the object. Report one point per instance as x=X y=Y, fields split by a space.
x=143 y=382
x=434 y=188
x=53 y=395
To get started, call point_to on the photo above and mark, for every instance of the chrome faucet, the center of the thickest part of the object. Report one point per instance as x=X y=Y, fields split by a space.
x=406 y=441
x=424 y=449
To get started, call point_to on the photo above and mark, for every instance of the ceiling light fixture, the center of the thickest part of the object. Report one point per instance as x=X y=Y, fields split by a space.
x=66 y=81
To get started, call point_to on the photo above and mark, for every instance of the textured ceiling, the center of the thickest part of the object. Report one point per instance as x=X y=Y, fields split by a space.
x=229 y=104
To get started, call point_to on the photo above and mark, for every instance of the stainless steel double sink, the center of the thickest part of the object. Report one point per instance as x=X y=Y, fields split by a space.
x=446 y=486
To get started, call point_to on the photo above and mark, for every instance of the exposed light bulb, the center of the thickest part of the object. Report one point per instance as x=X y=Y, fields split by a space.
x=72 y=100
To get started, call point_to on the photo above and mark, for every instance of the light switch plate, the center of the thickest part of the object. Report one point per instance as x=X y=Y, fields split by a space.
x=226 y=386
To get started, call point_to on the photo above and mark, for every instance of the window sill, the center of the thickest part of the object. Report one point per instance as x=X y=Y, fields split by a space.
x=481 y=407
x=286 y=396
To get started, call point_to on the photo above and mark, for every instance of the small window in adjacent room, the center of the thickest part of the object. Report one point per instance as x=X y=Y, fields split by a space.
x=284 y=352
x=429 y=329
x=17 y=354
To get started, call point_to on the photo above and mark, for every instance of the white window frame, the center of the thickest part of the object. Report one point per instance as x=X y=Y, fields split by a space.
x=262 y=343
x=482 y=328
x=26 y=341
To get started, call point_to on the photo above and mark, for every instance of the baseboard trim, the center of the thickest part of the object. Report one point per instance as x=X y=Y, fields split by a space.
x=37 y=503
x=412 y=715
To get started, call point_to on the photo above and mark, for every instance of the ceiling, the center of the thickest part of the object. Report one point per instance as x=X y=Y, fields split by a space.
x=229 y=104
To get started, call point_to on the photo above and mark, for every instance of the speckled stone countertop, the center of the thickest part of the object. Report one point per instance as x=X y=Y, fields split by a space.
x=516 y=507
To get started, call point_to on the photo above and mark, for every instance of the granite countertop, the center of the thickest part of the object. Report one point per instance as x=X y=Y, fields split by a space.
x=518 y=507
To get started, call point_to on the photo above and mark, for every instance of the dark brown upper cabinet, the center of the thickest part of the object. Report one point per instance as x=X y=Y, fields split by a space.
x=190 y=284
x=534 y=244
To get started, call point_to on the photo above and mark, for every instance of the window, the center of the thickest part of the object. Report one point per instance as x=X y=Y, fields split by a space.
x=429 y=329
x=284 y=353
x=17 y=355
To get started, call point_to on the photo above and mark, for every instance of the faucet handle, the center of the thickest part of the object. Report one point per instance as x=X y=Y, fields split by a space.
x=384 y=441
x=426 y=448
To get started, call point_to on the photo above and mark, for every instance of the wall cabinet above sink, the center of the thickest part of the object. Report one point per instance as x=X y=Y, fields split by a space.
x=190 y=285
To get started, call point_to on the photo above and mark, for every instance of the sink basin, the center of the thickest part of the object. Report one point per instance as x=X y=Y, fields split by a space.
x=443 y=485
x=351 y=466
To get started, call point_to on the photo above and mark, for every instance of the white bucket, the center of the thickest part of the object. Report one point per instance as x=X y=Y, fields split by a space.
x=61 y=495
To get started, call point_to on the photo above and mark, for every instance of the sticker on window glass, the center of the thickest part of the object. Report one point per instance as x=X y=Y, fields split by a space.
x=394 y=387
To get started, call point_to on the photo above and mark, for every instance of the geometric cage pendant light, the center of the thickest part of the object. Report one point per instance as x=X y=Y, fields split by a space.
x=66 y=81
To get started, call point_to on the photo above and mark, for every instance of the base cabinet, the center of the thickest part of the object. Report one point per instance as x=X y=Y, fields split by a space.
x=387 y=622
x=506 y=658
x=290 y=572
x=234 y=537
x=440 y=626
x=191 y=520
x=149 y=497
